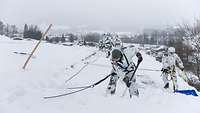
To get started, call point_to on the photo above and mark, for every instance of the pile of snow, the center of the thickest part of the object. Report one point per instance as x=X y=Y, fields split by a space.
x=22 y=91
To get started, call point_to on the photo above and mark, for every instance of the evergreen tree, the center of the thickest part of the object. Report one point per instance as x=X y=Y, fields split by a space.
x=71 y=37
x=92 y=37
x=1 y=28
x=32 y=32
x=14 y=29
x=63 y=38
x=7 y=30
x=25 y=31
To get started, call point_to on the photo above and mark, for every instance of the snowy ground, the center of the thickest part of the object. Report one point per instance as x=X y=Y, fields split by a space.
x=22 y=91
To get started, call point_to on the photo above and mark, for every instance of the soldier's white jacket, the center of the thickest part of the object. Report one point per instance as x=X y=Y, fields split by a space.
x=108 y=42
x=126 y=62
x=117 y=43
x=170 y=60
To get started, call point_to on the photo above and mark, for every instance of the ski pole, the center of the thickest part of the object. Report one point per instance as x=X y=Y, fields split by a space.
x=148 y=69
x=173 y=83
x=84 y=88
x=76 y=73
x=130 y=79
x=184 y=76
x=83 y=59
x=80 y=70
x=79 y=87
x=123 y=94
x=134 y=71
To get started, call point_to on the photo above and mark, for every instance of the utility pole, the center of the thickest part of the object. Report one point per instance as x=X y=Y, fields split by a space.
x=43 y=35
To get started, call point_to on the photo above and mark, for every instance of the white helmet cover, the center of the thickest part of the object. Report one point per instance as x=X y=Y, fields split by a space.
x=171 y=50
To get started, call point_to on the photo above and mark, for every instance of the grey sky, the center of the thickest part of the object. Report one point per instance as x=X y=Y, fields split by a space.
x=108 y=15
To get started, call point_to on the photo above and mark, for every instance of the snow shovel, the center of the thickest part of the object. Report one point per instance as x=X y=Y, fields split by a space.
x=187 y=92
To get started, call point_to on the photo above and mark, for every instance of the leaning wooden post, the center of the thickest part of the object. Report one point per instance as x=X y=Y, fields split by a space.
x=43 y=35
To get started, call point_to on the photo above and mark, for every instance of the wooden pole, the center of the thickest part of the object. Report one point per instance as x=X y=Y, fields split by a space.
x=43 y=35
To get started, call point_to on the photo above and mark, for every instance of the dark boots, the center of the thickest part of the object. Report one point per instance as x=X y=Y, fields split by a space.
x=166 y=85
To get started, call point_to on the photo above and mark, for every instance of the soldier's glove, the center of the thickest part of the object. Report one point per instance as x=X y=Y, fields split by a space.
x=182 y=69
x=139 y=57
x=131 y=67
x=165 y=70
x=127 y=81
x=168 y=67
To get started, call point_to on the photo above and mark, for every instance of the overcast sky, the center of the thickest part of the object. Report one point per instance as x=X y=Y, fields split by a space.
x=107 y=15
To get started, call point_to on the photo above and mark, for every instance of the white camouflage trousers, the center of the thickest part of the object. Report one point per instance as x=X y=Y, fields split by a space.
x=111 y=88
x=170 y=75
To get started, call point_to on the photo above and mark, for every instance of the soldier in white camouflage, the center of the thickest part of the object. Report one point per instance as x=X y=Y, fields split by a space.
x=171 y=61
x=123 y=68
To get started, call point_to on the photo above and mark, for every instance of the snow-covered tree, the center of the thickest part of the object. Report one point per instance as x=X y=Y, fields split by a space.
x=191 y=33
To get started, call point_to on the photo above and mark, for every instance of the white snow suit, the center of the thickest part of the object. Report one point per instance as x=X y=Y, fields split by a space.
x=124 y=69
x=118 y=43
x=108 y=45
x=101 y=44
x=170 y=61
